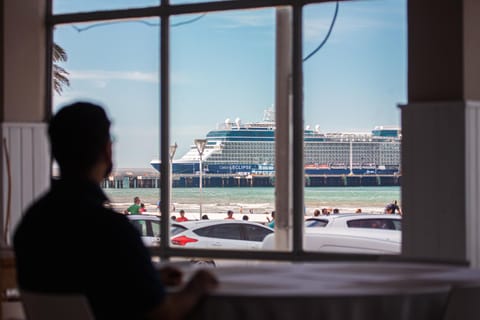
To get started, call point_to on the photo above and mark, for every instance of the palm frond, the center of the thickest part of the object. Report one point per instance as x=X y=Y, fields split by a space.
x=59 y=74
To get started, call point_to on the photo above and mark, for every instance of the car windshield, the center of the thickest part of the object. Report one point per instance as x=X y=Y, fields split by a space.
x=316 y=223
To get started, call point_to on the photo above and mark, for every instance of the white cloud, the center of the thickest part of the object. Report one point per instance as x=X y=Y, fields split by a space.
x=102 y=75
x=351 y=19
x=100 y=78
x=250 y=18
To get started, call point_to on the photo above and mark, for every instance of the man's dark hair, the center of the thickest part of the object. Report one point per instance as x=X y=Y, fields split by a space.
x=78 y=135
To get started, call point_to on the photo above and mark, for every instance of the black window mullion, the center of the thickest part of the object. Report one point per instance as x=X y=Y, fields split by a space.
x=164 y=131
x=298 y=142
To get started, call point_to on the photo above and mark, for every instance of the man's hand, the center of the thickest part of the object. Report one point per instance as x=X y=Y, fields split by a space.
x=170 y=276
x=201 y=283
x=177 y=305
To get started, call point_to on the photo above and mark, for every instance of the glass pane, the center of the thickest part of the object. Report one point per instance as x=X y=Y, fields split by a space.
x=256 y=233
x=354 y=77
x=222 y=91
x=116 y=65
x=225 y=231
x=74 y=6
x=193 y=1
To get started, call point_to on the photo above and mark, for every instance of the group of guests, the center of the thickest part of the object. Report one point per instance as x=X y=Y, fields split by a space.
x=391 y=208
x=138 y=207
x=230 y=213
x=328 y=211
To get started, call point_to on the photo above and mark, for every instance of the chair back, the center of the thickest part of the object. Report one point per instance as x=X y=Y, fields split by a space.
x=48 y=306
x=463 y=303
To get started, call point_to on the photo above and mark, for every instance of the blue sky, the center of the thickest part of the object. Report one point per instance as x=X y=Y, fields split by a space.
x=222 y=66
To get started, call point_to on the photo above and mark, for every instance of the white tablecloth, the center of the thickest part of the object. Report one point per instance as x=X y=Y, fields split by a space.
x=334 y=291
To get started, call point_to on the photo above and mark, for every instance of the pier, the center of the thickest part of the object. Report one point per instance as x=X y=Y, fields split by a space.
x=146 y=178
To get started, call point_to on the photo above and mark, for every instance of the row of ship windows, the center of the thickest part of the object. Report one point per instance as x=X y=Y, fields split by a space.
x=266 y=153
x=266 y=159
x=320 y=148
x=269 y=151
x=355 y=156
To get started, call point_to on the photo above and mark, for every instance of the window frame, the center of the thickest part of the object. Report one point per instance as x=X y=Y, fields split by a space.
x=164 y=11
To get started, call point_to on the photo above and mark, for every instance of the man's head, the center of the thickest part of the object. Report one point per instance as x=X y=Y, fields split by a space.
x=316 y=213
x=182 y=212
x=80 y=137
x=230 y=213
x=136 y=200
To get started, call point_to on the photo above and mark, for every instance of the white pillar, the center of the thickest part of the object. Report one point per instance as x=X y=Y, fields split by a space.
x=283 y=132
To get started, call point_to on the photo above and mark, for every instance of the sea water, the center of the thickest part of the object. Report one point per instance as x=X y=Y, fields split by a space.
x=259 y=199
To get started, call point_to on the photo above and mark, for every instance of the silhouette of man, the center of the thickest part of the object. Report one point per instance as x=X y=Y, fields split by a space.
x=104 y=259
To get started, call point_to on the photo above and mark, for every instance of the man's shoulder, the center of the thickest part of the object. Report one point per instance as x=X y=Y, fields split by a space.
x=49 y=207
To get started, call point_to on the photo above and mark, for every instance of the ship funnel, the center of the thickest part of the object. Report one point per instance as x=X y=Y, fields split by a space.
x=317 y=128
x=227 y=123
x=307 y=127
x=237 y=122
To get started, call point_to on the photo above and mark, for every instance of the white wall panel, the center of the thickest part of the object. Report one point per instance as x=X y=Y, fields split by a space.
x=472 y=166
x=434 y=180
x=28 y=152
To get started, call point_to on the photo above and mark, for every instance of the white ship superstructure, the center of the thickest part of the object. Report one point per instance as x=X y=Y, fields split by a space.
x=237 y=148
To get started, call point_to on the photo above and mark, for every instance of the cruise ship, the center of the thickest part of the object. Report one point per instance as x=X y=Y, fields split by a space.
x=235 y=148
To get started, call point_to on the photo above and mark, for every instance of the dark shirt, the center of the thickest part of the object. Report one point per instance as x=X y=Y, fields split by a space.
x=68 y=242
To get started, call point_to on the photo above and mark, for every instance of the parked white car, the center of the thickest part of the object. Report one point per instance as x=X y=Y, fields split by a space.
x=355 y=220
x=148 y=226
x=370 y=234
x=219 y=234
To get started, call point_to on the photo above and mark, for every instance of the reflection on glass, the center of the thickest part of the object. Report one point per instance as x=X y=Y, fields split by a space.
x=73 y=6
x=222 y=78
x=354 y=78
x=117 y=66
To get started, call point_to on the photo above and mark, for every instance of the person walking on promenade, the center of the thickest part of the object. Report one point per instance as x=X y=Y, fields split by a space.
x=108 y=262
x=392 y=208
x=182 y=217
x=134 y=208
x=271 y=223
x=229 y=215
